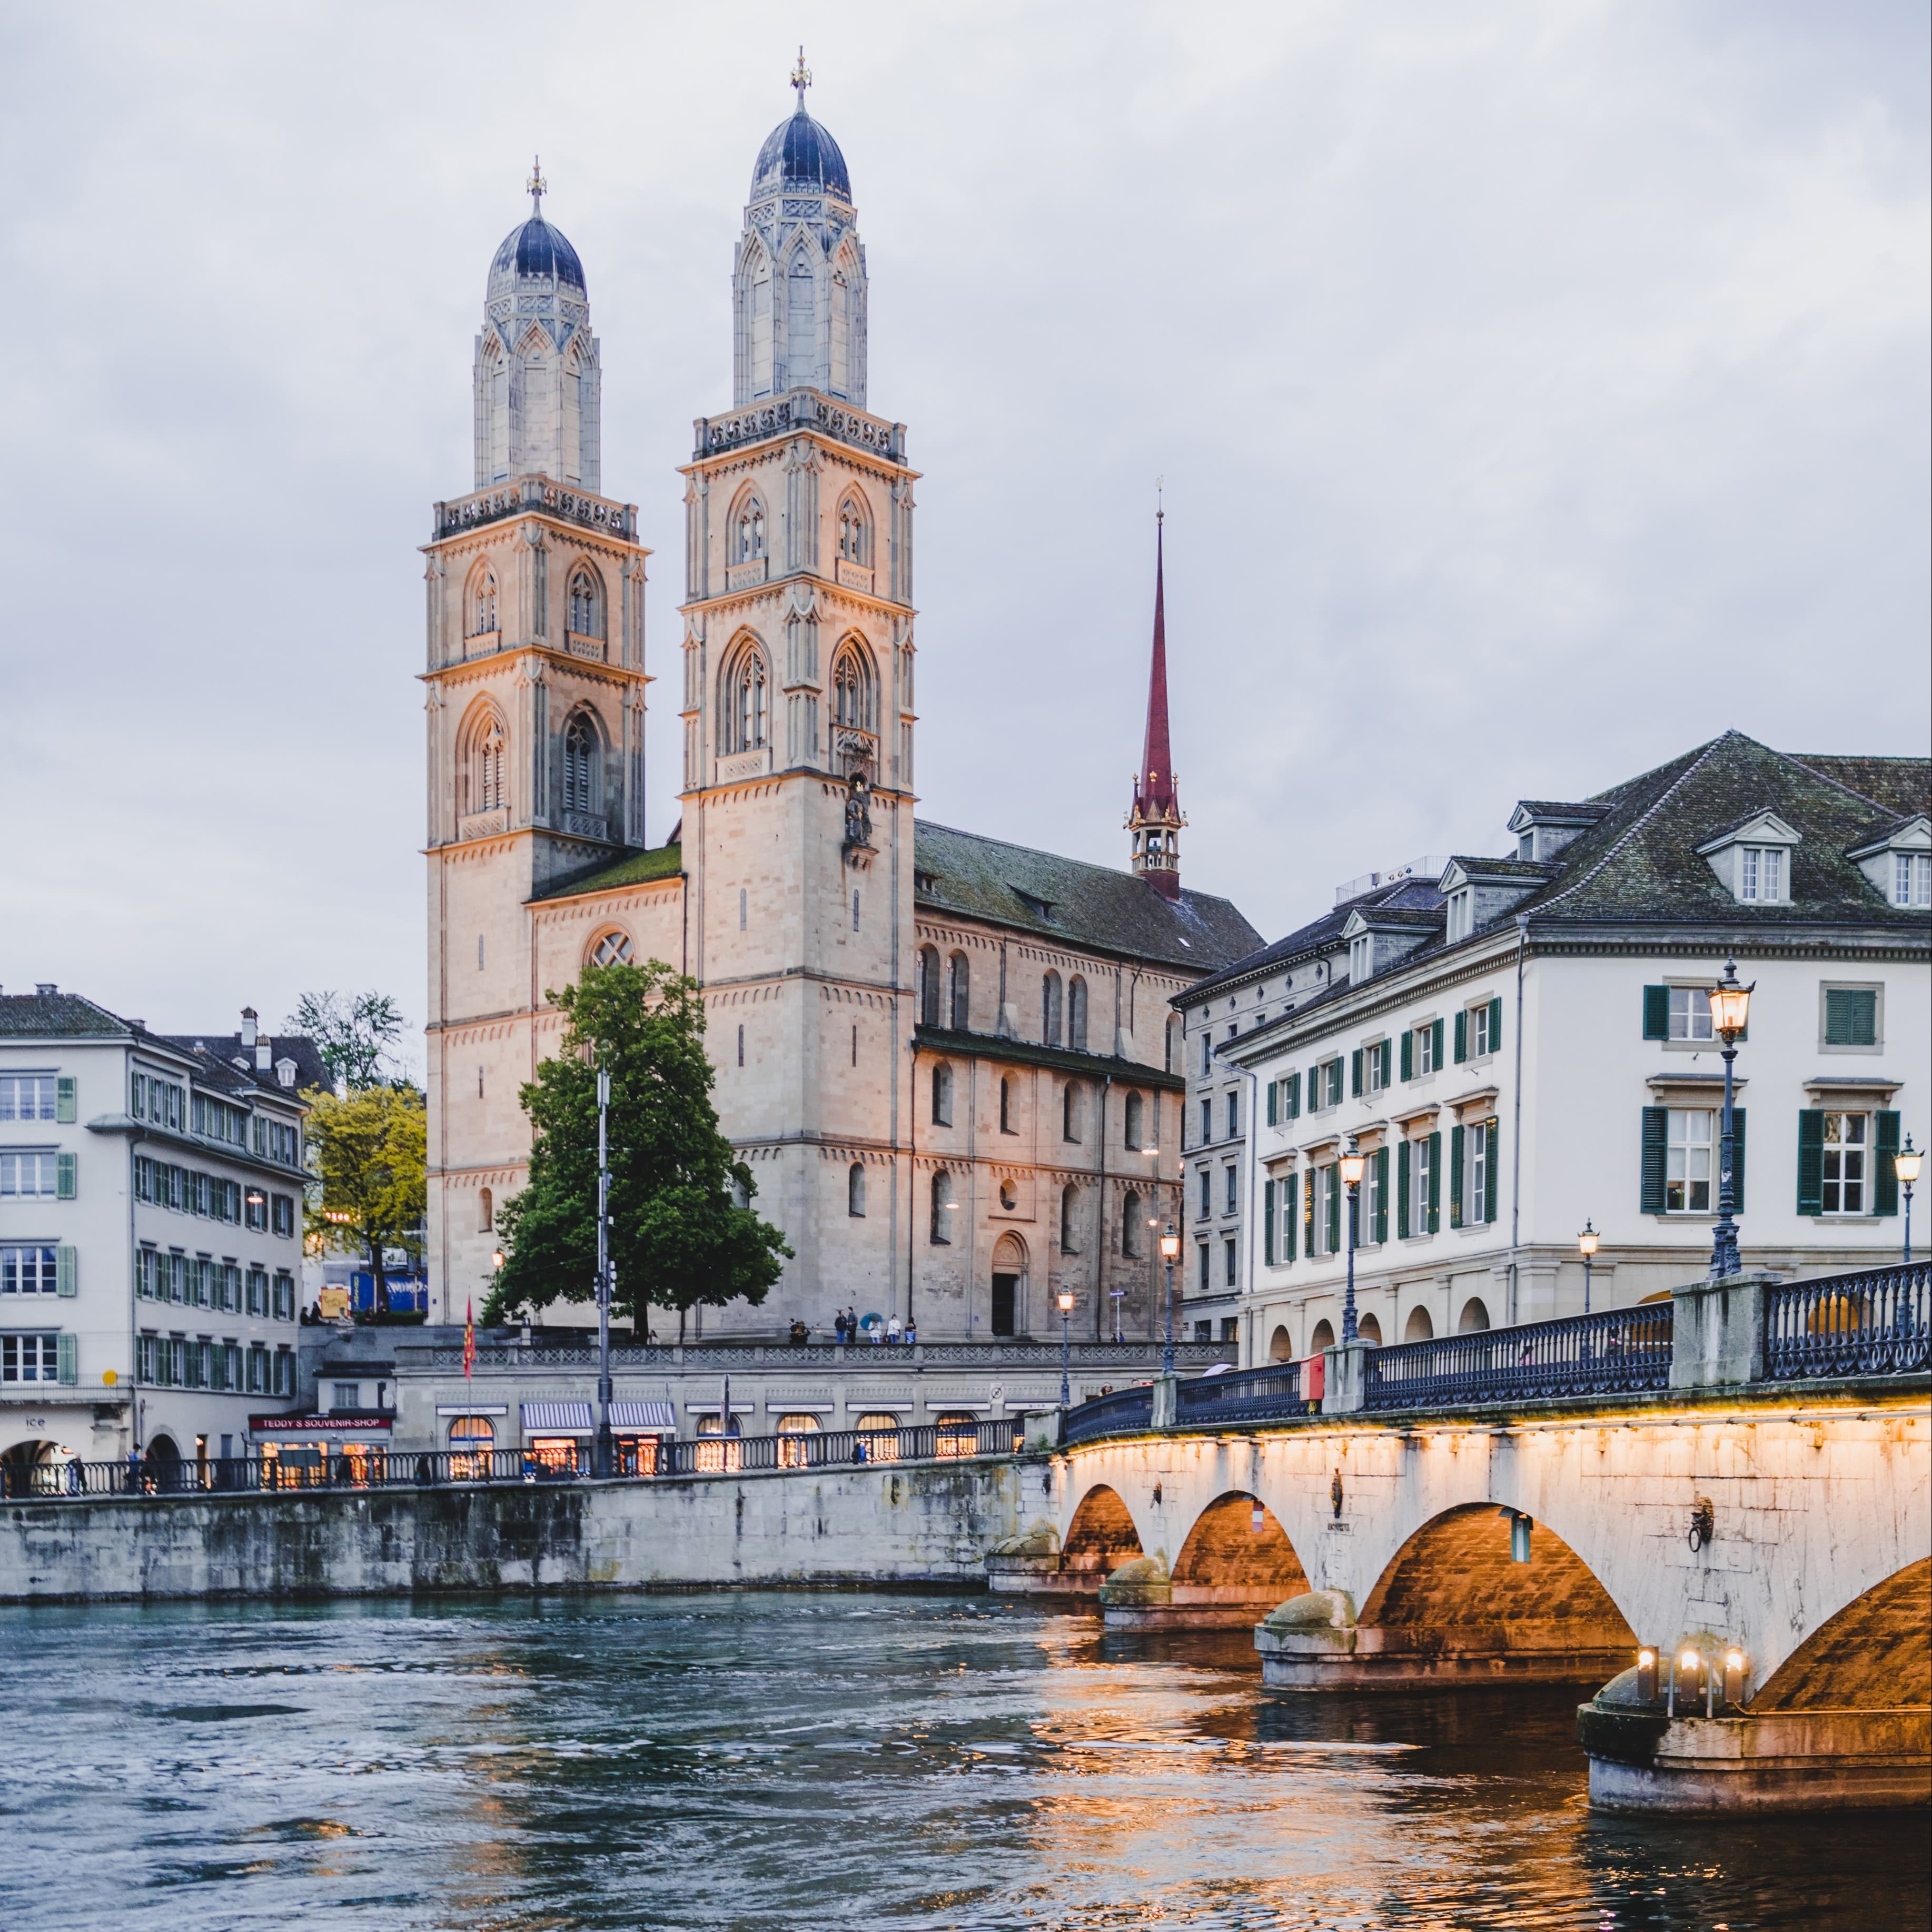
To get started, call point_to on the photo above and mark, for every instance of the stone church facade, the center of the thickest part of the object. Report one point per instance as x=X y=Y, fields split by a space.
x=950 y=1062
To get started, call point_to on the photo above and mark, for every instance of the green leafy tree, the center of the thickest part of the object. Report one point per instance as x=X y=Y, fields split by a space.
x=368 y=1151
x=682 y=1232
x=355 y=1034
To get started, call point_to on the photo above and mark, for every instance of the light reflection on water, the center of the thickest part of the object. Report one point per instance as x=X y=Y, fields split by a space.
x=786 y=1761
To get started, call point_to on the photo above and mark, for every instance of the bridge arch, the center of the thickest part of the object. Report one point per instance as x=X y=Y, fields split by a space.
x=1237 y=1544
x=1872 y=1655
x=1101 y=1535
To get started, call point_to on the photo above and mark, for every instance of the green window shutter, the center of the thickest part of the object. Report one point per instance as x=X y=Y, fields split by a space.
x=63 y=1102
x=1408 y=1056
x=1737 y=1159
x=1437 y=1054
x=64 y=1177
x=1435 y=1181
x=1293 y=1095
x=1492 y=1130
x=1656 y=1127
x=1382 y=1194
x=1851 y=1017
x=1402 y=1168
x=1273 y=1104
x=1811 y=1160
x=1884 y=1180
x=1291 y=1216
x=1314 y=1087
x=1355 y=1075
x=1388 y=1061
x=1268 y=1222
x=1455 y=1176
x=1657 y=1012
x=68 y=1365
x=1461 y=1035
x=1496 y=1025
x=1335 y=1211
x=64 y=1271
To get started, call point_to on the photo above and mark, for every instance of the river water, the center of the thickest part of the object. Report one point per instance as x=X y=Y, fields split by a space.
x=787 y=1761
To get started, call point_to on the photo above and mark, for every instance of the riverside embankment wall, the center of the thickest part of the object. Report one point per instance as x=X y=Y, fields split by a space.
x=924 y=1523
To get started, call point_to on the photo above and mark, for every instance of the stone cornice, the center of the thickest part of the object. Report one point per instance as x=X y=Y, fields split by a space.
x=594 y=671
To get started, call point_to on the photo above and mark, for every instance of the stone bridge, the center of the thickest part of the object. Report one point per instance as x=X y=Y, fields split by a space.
x=1767 y=1546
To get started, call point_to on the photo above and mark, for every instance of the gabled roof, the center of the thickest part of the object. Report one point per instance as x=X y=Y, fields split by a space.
x=58 y=1016
x=1479 y=869
x=215 y=1055
x=1089 y=906
x=641 y=869
x=1553 y=811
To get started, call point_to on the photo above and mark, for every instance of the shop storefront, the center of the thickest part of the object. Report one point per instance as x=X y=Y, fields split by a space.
x=558 y=1436
x=297 y=1451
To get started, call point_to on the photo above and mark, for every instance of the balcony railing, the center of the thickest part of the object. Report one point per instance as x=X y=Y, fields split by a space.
x=1616 y=1352
x=1111 y=1415
x=1254 y=1395
x=1016 y=1354
x=1873 y=1323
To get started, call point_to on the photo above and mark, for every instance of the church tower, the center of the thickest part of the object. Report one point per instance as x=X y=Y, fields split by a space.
x=1155 y=818
x=798 y=742
x=534 y=696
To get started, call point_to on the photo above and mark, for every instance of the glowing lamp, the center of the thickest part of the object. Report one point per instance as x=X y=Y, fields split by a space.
x=1586 y=1241
x=1730 y=1003
x=1066 y=1301
x=496 y=1258
x=1646 y=1675
x=1907 y=1162
x=1734 y=1677
x=1353 y=1162
x=1170 y=1243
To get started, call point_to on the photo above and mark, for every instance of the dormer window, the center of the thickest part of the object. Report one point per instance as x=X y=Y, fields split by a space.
x=1361 y=958
x=1754 y=858
x=1525 y=846
x=1462 y=914
x=1761 y=874
x=1911 y=880
x=1899 y=863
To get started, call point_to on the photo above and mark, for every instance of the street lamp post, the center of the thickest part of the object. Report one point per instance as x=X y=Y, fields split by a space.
x=1065 y=1298
x=1586 y=1242
x=1170 y=1253
x=1730 y=1008
x=1906 y=1163
x=1353 y=1162
x=601 y=1454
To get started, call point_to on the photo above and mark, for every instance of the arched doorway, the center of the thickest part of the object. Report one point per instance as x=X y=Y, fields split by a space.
x=1009 y=1309
x=30 y=1468
x=1280 y=1348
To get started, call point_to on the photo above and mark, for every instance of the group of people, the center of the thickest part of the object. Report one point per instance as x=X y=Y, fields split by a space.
x=847 y=1327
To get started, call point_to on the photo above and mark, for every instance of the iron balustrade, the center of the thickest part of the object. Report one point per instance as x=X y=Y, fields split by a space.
x=1614 y=1352
x=1111 y=1415
x=748 y=1355
x=1253 y=1395
x=1871 y=1323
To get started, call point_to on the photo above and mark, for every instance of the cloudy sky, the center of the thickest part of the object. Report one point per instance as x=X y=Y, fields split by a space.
x=1539 y=389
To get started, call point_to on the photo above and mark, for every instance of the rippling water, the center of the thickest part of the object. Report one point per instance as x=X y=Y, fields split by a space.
x=791 y=1761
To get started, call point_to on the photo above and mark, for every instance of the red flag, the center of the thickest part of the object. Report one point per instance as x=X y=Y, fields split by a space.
x=468 y=1339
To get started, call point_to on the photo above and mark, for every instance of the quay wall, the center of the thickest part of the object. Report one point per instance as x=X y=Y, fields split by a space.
x=910 y=1523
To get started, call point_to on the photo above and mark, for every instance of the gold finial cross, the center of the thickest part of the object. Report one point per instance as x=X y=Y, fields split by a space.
x=1159 y=509
x=801 y=75
x=536 y=186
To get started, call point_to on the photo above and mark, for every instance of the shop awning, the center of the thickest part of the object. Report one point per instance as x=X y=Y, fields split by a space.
x=557 y=1418
x=643 y=1415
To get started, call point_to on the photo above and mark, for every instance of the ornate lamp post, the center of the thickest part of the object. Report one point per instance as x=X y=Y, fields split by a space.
x=1170 y=1253
x=1730 y=1008
x=1906 y=1163
x=1065 y=1298
x=1586 y=1244
x=1352 y=1164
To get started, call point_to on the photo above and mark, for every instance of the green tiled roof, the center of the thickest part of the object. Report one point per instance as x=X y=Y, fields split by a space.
x=1901 y=785
x=641 y=869
x=1079 y=905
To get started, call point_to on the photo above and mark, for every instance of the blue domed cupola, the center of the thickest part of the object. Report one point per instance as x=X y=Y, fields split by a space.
x=538 y=379
x=798 y=284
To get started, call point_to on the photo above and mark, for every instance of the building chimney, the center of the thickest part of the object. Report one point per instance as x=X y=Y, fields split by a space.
x=265 y=1053
x=46 y=988
x=248 y=1018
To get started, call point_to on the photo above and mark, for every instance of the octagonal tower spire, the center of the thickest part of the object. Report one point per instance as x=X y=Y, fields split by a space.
x=1155 y=819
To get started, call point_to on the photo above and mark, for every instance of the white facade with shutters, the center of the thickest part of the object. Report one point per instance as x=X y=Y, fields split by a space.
x=150 y=1242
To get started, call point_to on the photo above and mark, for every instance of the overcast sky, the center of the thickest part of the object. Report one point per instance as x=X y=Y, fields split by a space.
x=1540 y=389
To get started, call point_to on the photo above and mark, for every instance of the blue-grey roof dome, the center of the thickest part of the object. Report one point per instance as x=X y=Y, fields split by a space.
x=536 y=248
x=799 y=153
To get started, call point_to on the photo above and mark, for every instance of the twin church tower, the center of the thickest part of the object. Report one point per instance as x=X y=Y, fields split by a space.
x=948 y=1060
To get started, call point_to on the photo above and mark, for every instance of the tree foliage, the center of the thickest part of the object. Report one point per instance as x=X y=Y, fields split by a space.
x=355 y=1033
x=369 y=1151
x=682 y=1232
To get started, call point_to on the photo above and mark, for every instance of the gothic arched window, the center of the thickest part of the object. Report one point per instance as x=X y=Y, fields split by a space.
x=748 y=533
x=1070 y=1112
x=960 y=1005
x=1006 y=1107
x=1069 y=1220
x=586 y=606
x=611 y=949
x=1076 y=1013
x=488 y=743
x=929 y=986
x=852 y=689
x=855 y=532
x=580 y=761
x=1131 y=1218
x=482 y=603
x=855 y=1190
x=1050 y=1009
x=942 y=1095
x=1134 y=1129
x=942 y=1209
x=486 y=1211
x=747 y=701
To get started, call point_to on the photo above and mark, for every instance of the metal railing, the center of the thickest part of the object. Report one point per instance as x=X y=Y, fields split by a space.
x=1109 y=1414
x=818 y=1355
x=639 y=1458
x=1873 y=1323
x=1252 y=1395
x=1616 y=1352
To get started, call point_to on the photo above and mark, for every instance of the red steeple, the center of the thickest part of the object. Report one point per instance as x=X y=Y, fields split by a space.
x=1156 y=819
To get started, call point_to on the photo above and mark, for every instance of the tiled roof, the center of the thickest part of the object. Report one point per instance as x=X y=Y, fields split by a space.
x=641 y=869
x=1904 y=785
x=58 y=1016
x=1085 y=905
x=1031 y=1053
x=1409 y=896
x=215 y=1053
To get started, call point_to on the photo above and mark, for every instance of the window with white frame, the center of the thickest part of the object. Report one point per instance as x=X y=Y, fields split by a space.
x=1370 y=1202
x=1425 y=1049
x=285 y=1297
x=1231 y=1189
x=1361 y=958
x=1478 y=1181
x=1420 y=1153
x=29 y=1358
x=29 y=1268
x=1322 y=1183
x=1761 y=874
x=1480 y=1042
x=1847 y=1137
x=1689 y=1012
x=1911 y=883
x=1689 y=1146
x=1375 y=1065
x=1207 y=1193
x=30 y=1175
x=27 y=1096
x=1461 y=915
